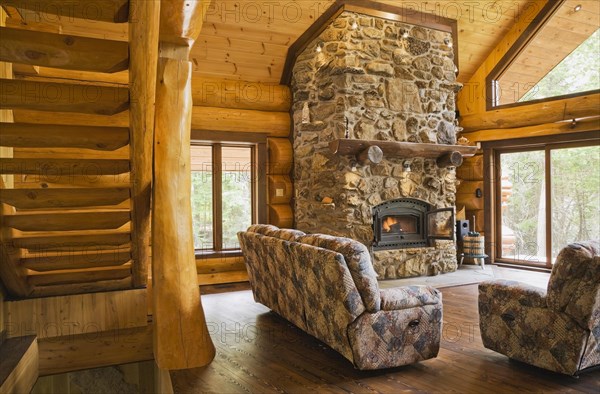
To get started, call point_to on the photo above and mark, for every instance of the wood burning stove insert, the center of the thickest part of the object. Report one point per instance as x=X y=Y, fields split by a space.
x=410 y=223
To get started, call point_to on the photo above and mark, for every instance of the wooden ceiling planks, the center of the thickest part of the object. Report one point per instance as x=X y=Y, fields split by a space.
x=562 y=34
x=244 y=29
x=248 y=40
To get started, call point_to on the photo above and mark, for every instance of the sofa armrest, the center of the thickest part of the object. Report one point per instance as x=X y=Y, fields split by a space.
x=524 y=294
x=409 y=297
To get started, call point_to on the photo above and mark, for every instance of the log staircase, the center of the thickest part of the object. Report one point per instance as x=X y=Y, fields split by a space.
x=68 y=222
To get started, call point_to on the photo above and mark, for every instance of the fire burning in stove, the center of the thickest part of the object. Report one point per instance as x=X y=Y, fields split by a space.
x=399 y=224
x=391 y=223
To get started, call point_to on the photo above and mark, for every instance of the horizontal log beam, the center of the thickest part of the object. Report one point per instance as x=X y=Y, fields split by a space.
x=62 y=51
x=223 y=277
x=215 y=265
x=63 y=198
x=116 y=11
x=53 y=242
x=546 y=129
x=274 y=124
x=533 y=114
x=224 y=93
x=67 y=221
x=64 y=167
x=64 y=261
x=62 y=97
x=281 y=215
x=71 y=118
x=280 y=156
x=280 y=188
x=31 y=135
x=91 y=275
x=82 y=288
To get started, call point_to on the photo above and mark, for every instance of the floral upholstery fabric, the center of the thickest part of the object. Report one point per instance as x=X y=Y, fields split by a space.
x=359 y=261
x=273 y=231
x=314 y=288
x=399 y=337
x=409 y=297
x=574 y=286
x=556 y=329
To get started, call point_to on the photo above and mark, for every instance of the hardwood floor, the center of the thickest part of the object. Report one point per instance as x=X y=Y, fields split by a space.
x=260 y=352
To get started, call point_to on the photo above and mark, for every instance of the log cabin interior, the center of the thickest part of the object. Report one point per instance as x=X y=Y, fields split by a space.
x=299 y=196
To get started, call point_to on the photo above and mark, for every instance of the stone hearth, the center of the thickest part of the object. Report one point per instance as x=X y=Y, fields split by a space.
x=373 y=79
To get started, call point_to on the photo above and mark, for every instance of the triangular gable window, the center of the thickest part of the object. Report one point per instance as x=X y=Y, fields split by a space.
x=557 y=56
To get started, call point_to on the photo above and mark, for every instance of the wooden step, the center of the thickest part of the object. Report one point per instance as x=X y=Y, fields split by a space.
x=116 y=11
x=62 y=97
x=67 y=221
x=63 y=198
x=30 y=135
x=19 y=364
x=92 y=275
x=64 y=261
x=64 y=167
x=63 y=51
x=54 y=242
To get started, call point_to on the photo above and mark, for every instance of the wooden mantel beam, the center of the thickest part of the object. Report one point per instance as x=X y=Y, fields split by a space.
x=181 y=338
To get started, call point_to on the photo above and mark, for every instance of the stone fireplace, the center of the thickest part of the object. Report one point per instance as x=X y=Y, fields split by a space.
x=372 y=79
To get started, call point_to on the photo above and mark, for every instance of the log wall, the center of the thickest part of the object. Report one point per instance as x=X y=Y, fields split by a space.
x=229 y=106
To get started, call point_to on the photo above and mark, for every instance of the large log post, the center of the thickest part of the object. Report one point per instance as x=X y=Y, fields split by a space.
x=181 y=338
x=143 y=52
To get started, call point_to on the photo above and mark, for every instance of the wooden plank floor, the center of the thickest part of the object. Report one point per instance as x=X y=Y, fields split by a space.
x=259 y=352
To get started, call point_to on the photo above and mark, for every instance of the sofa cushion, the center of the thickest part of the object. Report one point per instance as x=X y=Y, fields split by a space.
x=574 y=285
x=359 y=263
x=409 y=297
x=276 y=232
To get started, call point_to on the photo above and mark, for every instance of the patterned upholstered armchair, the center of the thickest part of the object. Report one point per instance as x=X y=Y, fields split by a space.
x=556 y=329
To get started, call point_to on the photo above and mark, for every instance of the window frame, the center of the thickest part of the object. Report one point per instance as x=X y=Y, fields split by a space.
x=218 y=140
x=515 y=50
x=493 y=190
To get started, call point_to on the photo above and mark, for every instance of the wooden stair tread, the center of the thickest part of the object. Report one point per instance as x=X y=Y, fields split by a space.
x=64 y=167
x=63 y=51
x=62 y=97
x=116 y=11
x=63 y=198
x=52 y=242
x=18 y=364
x=78 y=276
x=63 y=261
x=31 y=135
x=67 y=221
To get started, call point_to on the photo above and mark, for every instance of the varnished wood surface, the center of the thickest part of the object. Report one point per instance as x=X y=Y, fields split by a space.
x=259 y=352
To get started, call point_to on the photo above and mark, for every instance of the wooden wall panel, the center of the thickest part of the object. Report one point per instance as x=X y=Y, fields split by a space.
x=76 y=314
x=93 y=350
x=223 y=93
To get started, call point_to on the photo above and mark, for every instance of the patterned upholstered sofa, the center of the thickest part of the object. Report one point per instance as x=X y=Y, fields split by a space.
x=556 y=329
x=327 y=287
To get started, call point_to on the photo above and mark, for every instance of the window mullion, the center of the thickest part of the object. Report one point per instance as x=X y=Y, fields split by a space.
x=548 y=178
x=217 y=176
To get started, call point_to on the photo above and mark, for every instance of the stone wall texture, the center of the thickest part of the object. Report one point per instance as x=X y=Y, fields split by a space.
x=373 y=79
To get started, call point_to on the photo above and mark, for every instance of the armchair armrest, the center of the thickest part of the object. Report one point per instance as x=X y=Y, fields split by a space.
x=524 y=294
x=409 y=297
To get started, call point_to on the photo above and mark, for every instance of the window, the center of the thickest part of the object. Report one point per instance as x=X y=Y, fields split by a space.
x=548 y=195
x=225 y=195
x=557 y=56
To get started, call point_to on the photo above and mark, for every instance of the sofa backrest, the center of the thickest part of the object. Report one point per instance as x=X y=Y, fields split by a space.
x=310 y=286
x=359 y=263
x=574 y=285
x=276 y=232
